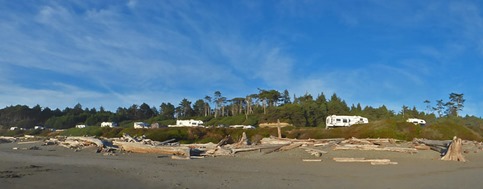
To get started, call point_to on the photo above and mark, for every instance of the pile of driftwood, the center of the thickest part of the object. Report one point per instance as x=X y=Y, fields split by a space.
x=142 y=145
x=449 y=149
x=373 y=144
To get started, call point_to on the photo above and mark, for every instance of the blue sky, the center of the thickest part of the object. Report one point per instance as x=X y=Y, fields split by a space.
x=118 y=53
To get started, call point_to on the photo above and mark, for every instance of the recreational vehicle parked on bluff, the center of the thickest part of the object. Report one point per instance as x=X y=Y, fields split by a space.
x=188 y=123
x=416 y=121
x=344 y=121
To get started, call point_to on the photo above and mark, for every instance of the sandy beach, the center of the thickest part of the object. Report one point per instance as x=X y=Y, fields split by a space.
x=59 y=167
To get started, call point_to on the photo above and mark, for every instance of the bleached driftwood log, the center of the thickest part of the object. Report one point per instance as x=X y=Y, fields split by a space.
x=440 y=146
x=290 y=146
x=311 y=160
x=145 y=148
x=336 y=159
x=254 y=148
x=5 y=139
x=87 y=140
x=274 y=141
x=354 y=140
x=364 y=147
x=454 y=151
x=363 y=160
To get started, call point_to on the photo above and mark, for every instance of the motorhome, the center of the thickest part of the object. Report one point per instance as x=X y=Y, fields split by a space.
x=344 y=121
x=39 y=127
x=109 y=124
x=188 y=123
x=80 y=126
x=141 y=125
x=416 y=121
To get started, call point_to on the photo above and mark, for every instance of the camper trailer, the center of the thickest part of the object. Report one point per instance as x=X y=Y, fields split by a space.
x=141 y=125
x=416 y=121
x=188 y=123
x=109 y=124
x=344 y=121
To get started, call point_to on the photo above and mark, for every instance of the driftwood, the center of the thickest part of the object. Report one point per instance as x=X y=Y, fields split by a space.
x=454 y=151
x=356 y=141
x=243 y=140
x=259 y=147
x=224 y=141
x=167 y=141
x=363 y=160
x=357 y=160
x=5 y=139
x=272 y=140
x=311 y=160
x=218 y=151
x=422 y=147
x=444 y=143
x=126 y=137
x=369 y=147
x=290 y=146
x=87 y=140
x=440 y=146
x=382 y=140
x=143 y=148
x=384 y=163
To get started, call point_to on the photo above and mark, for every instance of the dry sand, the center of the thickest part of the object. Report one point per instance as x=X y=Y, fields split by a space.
x=58 y=167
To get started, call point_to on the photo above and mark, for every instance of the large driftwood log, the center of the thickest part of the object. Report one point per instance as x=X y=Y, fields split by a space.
x=359 y=160
x=356 y=141
x=454 y=151
x=274 y=141
x=363 y=160
x=91 y=140
x=368 y=147
x=440 y=146
x=143 y=148
x=291 y=146
x=5 y=139
x=443 y=143
x=258 y=147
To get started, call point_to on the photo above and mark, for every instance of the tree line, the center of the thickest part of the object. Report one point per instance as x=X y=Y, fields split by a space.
x=264 y=106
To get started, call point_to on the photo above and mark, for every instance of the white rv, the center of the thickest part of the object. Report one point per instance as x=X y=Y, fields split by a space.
x=416 y=121
x=80 y=126
x=39 y=127
x=188 y=123
x=344 y=121
x=141 y=125
x=109 y=124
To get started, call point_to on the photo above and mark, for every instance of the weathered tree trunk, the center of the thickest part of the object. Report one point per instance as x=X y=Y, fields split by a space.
x=454 y=151
x=243 y=140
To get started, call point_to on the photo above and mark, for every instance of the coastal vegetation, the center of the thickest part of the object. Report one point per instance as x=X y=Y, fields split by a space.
x=306 y=113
